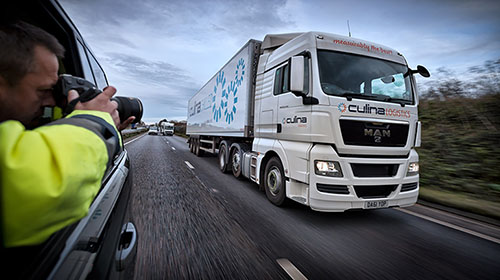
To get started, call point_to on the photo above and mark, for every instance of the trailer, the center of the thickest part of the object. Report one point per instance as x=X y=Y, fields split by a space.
x=321 y=119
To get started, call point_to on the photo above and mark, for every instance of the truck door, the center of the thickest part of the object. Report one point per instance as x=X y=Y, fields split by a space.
x=294 y=116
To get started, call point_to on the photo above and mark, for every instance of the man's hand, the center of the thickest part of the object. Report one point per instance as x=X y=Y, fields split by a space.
x=101 y=102
x=126 y=123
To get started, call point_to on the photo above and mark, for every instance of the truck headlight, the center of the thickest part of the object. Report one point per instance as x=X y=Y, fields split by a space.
x=412 y=169
x=327 y=168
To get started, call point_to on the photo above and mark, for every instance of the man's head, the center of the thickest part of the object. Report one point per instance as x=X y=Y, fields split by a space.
x=28 y=71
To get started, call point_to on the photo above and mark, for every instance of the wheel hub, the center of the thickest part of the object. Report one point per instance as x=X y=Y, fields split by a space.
x=236 y=161
x=274 y=181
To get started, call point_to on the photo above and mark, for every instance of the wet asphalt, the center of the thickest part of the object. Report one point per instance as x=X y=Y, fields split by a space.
x=202 y=224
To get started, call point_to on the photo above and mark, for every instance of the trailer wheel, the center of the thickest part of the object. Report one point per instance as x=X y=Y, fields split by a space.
x=197 y=151
x=236 y=160
x=275 y=182
x=224 y=163
x=191 y=145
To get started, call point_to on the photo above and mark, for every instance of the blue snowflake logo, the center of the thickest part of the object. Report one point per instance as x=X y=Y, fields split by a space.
x=218 y=96
x=230 y=104
x=240 y=72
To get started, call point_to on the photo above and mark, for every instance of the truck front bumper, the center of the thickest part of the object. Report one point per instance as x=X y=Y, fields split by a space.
x=362 y=190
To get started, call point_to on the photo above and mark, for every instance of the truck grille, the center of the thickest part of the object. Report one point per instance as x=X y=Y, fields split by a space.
x=374 y=170
x=374 y=191
x=336 y=189
x=364 y=133
x=409 y=187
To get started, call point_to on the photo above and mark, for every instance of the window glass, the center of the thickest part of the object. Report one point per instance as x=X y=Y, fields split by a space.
x=286 y=77
x=392 y=85
x=344 y=74
x=98 y=73
x=87 y=71
x=277 y=81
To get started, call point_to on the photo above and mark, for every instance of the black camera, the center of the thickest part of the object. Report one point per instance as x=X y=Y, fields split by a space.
x=127 y=106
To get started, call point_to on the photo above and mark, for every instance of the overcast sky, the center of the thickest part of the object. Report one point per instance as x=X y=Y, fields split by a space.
x=164 y=51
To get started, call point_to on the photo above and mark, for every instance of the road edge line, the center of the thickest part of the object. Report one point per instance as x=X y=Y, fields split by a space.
x=134 y=139
x=455 y=227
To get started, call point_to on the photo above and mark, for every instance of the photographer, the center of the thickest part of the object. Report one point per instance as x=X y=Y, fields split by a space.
x=50 y=174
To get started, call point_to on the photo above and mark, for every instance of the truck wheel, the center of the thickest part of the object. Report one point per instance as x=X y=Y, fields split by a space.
x=224 y=163
x=275 y=182
x=197 y=151
x=236 y=160
x=191 y=145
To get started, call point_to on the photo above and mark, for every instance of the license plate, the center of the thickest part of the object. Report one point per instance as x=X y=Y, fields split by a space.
x=376 y=204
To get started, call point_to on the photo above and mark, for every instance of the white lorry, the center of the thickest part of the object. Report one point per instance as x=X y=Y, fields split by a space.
x=167 y=128
x=325 y=120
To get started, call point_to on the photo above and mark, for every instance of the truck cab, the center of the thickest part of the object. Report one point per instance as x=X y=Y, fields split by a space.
x=341 y=116
x=103 y=244
x=168 y=129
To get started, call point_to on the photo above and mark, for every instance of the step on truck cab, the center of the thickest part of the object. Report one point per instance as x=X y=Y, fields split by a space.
x=325 y=120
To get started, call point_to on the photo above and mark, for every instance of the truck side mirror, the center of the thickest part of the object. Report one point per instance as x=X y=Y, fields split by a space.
x=423 y=71
x=297 y=80
x=297 y=75
x=420 y=70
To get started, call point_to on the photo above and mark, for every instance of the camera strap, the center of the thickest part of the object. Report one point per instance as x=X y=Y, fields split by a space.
x=71 y=106
x=87 y=95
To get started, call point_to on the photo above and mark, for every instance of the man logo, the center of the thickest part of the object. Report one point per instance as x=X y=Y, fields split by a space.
x=378 y=134
x=342 y=107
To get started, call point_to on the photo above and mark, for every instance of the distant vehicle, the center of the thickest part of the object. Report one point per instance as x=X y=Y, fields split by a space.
x=153 y=130
x=103 y=244
x=167 y=129
x=325 y=120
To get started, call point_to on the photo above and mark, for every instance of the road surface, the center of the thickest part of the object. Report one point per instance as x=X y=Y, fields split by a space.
x=196 y=223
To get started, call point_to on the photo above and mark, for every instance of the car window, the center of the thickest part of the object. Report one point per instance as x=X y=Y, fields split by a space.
x=87 y=71
x=98 y=73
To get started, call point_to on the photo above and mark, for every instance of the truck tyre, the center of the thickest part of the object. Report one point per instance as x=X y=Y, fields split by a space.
x=274 y=182
x=236 y=160
x=197 y=151
x=191 y=145
x=224 y=162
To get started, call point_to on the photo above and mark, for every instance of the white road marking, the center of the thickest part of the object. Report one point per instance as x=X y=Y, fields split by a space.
x=446 y=224
x=134 y=139
x=173 y=148
x=215 y=191
x=189 y=164
x=467 y=220
x=289 y=268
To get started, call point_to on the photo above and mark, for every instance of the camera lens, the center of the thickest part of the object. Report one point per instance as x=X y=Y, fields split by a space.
x=129 y=106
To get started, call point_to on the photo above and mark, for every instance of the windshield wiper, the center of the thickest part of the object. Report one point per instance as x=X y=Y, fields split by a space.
x=401 y=101
x=378 y=97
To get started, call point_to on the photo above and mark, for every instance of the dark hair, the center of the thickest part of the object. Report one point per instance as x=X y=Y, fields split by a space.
x=17 y=43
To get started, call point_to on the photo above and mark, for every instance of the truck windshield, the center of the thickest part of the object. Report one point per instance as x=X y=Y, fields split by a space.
x=357 y=76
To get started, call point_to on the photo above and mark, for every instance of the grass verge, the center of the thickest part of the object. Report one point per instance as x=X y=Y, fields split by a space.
x=462 y=202
x=129 y=135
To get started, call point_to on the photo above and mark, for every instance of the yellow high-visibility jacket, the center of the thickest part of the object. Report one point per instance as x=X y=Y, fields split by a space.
x=49 y=176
